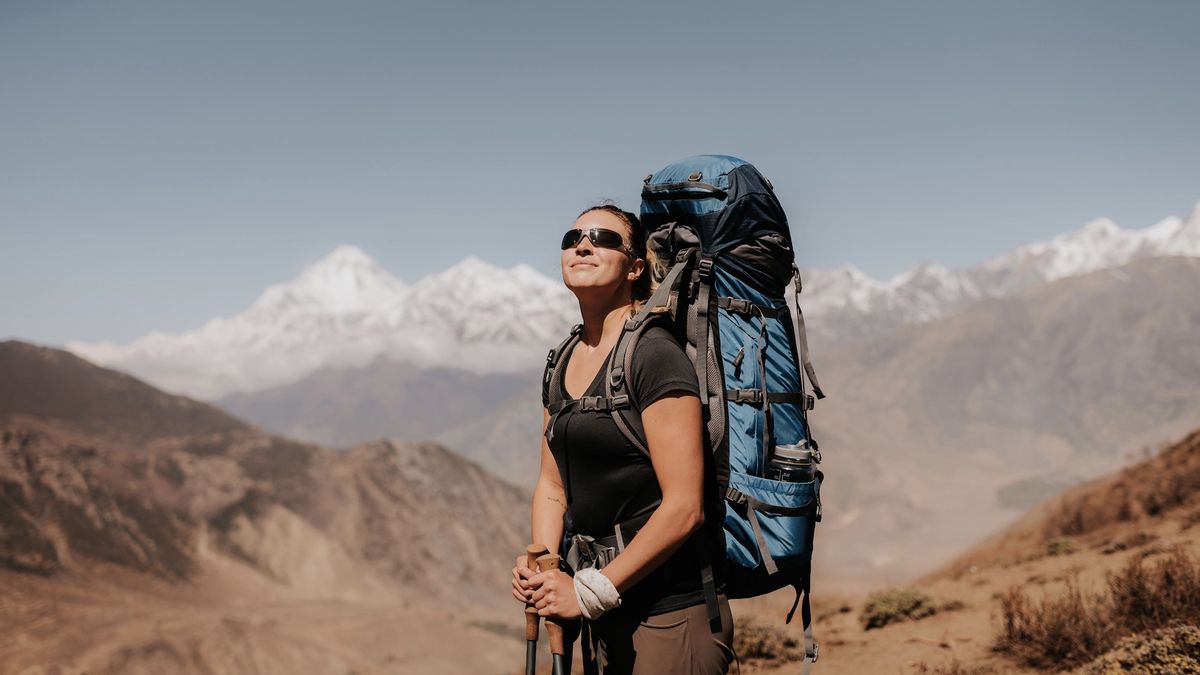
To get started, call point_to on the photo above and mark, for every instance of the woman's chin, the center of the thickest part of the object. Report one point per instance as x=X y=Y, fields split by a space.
x=585 y=287
x=586 y=276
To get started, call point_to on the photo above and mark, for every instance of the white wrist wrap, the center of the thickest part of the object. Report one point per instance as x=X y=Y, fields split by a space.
x=596 y=593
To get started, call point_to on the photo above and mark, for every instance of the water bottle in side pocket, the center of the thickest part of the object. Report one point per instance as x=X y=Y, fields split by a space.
x=791 y=463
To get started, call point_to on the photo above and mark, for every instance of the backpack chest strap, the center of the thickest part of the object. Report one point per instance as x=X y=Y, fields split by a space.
x=583 y=404
x=603 y=403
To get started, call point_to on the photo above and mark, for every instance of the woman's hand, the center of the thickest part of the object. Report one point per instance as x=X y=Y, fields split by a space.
x=555 y=595
x=522 y=589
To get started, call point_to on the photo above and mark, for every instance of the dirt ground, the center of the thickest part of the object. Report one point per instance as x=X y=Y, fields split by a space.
x=232 y=619
x=964 y=635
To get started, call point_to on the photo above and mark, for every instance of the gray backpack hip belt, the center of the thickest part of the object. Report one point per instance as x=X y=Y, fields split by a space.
x=585 y=551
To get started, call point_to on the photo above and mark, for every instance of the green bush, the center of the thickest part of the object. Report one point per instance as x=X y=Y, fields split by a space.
x=897 y=604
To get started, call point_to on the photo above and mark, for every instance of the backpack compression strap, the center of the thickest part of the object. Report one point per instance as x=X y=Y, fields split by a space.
x=699 y=327
x=801 y=335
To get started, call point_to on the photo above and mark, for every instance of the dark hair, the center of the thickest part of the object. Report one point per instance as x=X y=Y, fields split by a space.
x=637 y=236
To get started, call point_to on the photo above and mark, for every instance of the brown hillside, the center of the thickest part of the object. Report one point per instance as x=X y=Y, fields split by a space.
x=1059 y=569
x=942 y=431
x=125 y=547
x=52 y=384
x=1100 y=510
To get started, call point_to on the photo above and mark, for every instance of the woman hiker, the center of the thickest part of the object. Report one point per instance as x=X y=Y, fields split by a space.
x=644 y=609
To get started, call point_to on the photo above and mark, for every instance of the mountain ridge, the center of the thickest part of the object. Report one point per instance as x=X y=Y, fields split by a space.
x=345 y=311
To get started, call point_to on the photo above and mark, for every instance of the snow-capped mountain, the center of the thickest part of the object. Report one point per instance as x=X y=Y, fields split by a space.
x=482 y=304
x=346 y=311
x=1098 y=245
x=345 y=282
x=847 y=305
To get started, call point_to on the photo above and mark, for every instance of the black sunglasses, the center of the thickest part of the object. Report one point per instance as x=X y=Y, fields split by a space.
x=598 y=236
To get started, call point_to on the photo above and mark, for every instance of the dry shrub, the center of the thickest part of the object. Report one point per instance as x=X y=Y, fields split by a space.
x=952 y=606
x=755 y=641
x=1134 y=540
x=1167 y=651
x=955 y=667
x=1060 y=546
x=1071 y=629
x=1144 y=598
x=1058 y=632
x=897 y=604
x=1190 y=520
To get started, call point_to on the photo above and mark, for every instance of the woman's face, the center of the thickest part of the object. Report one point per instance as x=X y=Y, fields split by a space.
x=587 y=266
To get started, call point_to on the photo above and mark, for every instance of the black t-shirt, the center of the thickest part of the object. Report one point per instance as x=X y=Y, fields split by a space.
x=608 y=481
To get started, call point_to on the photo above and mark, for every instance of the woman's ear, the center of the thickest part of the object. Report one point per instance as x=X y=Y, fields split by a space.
x=635 y=269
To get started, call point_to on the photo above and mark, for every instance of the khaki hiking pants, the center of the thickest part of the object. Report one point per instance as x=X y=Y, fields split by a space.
x=675 y=643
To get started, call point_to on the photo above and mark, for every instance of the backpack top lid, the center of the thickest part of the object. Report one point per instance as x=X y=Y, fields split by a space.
x=723 y=198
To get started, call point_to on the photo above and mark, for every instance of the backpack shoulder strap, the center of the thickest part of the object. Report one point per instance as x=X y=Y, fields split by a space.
x=616 y=386
x=555 y=364
x=662 y=303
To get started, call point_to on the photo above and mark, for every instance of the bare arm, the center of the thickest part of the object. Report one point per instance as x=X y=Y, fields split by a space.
x=674 y=438
x=549 y=505
x=549 y=499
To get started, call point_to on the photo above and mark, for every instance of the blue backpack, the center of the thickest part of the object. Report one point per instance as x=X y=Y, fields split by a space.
x=725 y=261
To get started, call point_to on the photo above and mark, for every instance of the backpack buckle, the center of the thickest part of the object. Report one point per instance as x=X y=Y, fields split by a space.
x=704 y=267
x=550 y=356
x=810 y=402
x=591 y=404
x=744 y=396
x=734 y=495
x=739 y=306
x=616 y=377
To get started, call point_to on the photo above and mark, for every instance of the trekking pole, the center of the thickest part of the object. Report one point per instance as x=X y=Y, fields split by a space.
x=532 y=553
x=546 y=563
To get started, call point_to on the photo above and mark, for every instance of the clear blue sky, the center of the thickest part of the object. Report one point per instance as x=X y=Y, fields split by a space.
x=161 y=162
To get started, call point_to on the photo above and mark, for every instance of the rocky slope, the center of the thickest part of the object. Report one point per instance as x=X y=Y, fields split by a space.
x=220 y=520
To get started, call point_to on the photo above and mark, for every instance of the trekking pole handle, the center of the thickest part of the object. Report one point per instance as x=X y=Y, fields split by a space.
x=532 y=553
x=544 y=564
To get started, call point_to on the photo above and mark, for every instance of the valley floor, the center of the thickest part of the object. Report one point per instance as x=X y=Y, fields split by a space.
x=230 y=622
